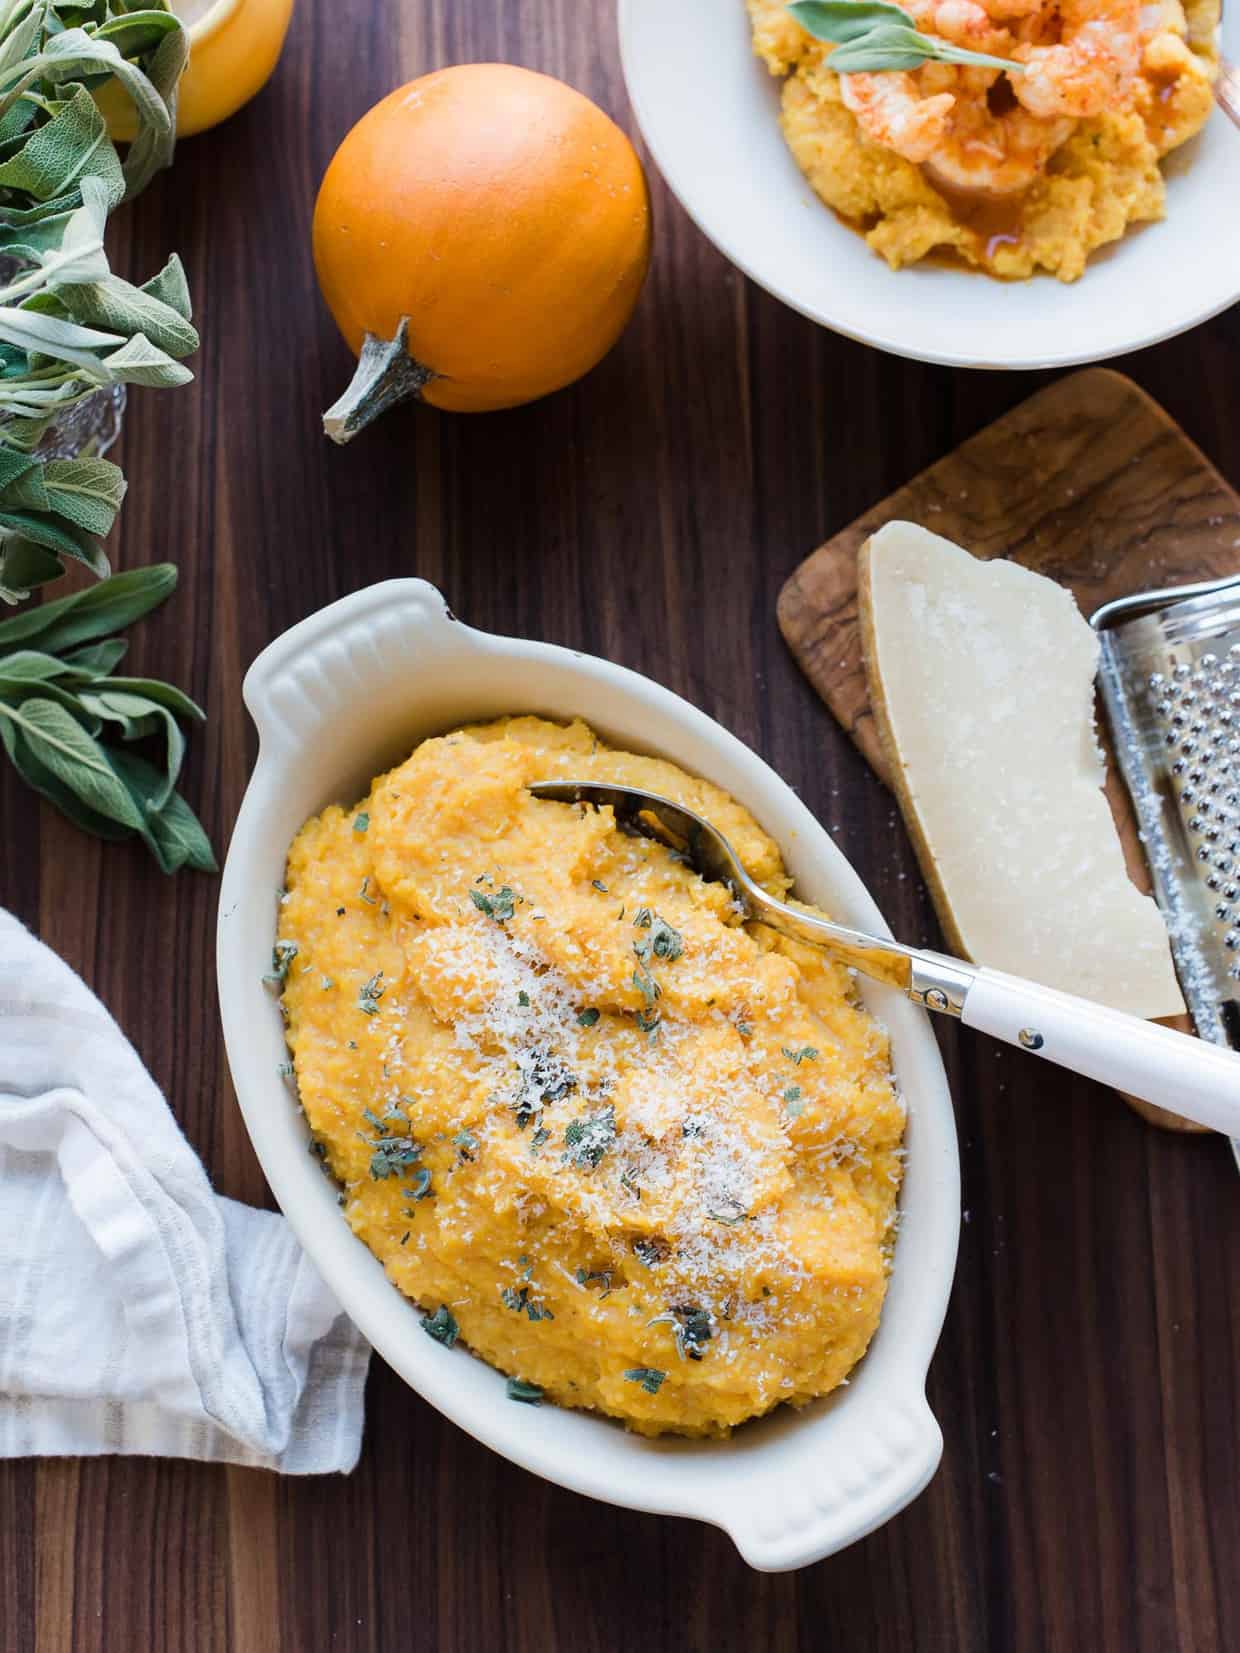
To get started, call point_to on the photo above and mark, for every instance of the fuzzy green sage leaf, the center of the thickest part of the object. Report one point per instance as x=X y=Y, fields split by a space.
x=872 y=37
x=90 y=615
x=840 y=21
x=67 y=723
x=69 y=327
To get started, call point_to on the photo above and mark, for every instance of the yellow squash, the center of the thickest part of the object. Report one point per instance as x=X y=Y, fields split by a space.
x=234 y=47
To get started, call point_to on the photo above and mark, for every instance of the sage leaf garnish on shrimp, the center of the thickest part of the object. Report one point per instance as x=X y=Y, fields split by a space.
x=871 y=36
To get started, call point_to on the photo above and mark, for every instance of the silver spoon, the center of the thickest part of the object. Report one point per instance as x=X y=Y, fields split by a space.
x=1197 y=1080
x=1227 y=85
x=1227 y=90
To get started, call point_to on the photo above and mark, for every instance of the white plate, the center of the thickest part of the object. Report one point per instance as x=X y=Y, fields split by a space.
x=709 y=112
x=343 y=696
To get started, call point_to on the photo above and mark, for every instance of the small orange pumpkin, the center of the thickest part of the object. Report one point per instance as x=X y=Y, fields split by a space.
x=481 y=237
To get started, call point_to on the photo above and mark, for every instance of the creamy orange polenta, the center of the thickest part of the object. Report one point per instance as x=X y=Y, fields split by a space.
x=640 y=1157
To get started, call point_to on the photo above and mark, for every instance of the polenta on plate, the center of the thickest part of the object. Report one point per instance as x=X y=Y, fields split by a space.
x=1010 y=172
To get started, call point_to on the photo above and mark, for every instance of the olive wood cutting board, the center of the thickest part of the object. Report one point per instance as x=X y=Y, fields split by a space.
x=1089 y=482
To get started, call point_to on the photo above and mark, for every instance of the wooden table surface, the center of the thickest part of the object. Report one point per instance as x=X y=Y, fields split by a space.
x=1088 y=1378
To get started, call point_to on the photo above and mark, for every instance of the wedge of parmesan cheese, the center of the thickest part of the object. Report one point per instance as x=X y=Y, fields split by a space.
x=981 y=675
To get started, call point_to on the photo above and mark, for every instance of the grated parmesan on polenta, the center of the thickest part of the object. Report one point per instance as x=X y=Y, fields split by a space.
x=636 y=1155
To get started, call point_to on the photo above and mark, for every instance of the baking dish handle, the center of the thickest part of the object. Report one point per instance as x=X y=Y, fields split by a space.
x=887 y=1460
x=340 y=655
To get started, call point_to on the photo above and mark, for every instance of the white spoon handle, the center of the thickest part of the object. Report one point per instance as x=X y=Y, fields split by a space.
x=1191 y=1077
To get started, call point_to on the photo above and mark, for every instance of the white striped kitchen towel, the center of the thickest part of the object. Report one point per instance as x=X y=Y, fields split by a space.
x=140 y=1312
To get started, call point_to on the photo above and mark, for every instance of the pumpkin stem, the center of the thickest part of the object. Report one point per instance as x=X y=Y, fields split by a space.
x=386 y=374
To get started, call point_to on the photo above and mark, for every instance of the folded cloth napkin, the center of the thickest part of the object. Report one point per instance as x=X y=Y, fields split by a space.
x=140 y=1312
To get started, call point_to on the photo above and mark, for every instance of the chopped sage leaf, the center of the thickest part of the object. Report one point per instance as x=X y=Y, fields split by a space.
x=691 y=1329
x=730 y=1213
x=649 y=1377
x=587 y=1018
x=588 y=1139
x=523 y=1301
x=806 y=1053
x=645 y=983
x=529 y=1393
x=361 y=821
x=392 y=1155
x=466 y=1144
x=545 y=1077
x=442 y=1326
x=665 y=943
x=422 y=1188
x=282 y=956
x=499 y=906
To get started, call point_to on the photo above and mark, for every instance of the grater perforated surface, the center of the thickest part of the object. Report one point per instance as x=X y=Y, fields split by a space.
x=1170 y=680
x=1199 y=712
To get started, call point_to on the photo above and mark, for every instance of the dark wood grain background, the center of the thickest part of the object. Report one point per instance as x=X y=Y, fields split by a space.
x=1088 y=1380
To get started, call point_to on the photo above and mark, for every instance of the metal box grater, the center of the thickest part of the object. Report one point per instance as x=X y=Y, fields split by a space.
x=1170 y=679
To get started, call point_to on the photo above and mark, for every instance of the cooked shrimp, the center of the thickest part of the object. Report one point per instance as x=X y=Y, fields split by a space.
x=1159 y=17
x=1003 y=10
x=962 y=22
x=891 y=111
x=993 y=153
x=1093 y=66
x=954 y=121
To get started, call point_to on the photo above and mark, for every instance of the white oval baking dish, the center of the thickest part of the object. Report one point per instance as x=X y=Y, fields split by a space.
x=338 y=699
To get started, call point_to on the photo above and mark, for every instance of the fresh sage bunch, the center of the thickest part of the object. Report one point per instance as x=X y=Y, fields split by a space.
x=69 y=328
x=871 y=36
x=67 y=718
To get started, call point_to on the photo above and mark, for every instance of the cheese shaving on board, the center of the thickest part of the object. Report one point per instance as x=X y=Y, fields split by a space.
x=981 y=674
